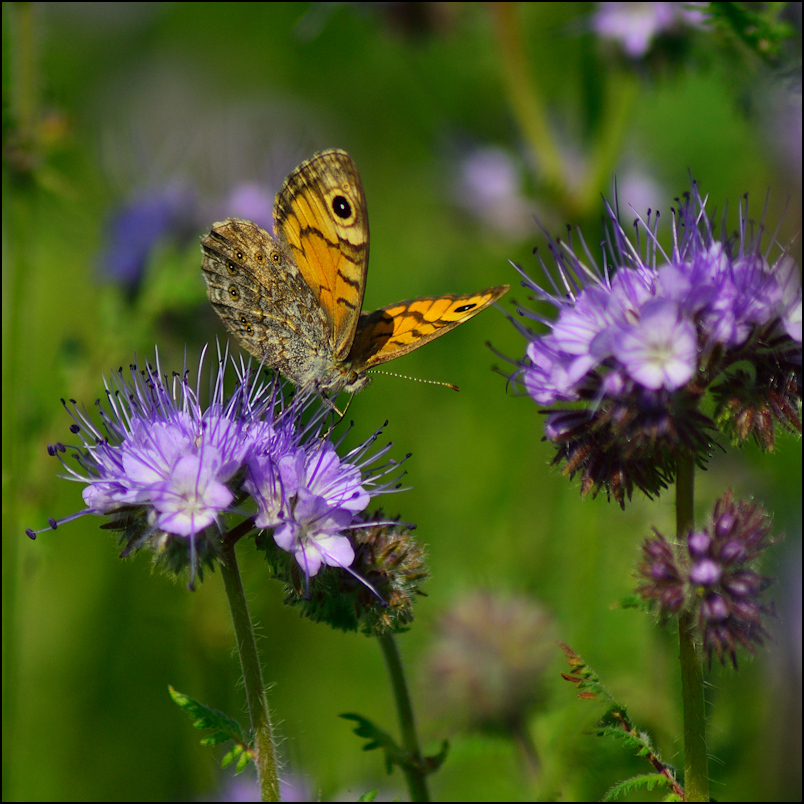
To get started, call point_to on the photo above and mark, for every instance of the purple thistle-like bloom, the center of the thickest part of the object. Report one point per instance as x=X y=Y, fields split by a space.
x=166 y=470
x=314 y=533
x=376 y=595
x=714 y=578
x=635 y=26
x=135 y=228
x=641 y=340
x=310 y=497
x=161 y=466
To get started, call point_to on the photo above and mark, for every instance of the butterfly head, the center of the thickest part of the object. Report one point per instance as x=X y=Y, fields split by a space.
x=347 y=380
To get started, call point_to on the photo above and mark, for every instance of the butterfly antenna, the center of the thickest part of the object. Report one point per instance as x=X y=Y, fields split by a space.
x=416 y=379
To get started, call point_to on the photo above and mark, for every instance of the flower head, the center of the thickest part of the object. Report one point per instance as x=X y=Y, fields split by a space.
x=376 y=594
x=167 y=470
x=487 y=666
x=635 y=26
x=713 y=576
x=637 y=344
x=314 y=533
x=137 y=226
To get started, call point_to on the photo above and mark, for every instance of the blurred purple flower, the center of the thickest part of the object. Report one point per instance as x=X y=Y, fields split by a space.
x=134 y=229
x=635 y=26
x=488 y=186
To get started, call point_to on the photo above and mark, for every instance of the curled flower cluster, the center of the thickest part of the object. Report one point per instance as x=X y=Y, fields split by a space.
x=714 y=577
x=486 y=669
x=639 y=342
x=377 y=599
x=165 y=470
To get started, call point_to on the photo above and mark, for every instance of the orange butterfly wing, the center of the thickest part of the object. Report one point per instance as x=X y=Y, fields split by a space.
x=400 y=328
x=321 y=217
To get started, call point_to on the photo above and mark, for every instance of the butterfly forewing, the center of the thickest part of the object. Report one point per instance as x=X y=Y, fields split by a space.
x=400 y=328
x=321 y=216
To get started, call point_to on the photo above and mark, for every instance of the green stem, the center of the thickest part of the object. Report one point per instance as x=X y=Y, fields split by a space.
x=608 y=144
x=416 y=778
x=696 y=760
x=522 y=737
x=24 y=84
x=525 y=100
x=252 y=675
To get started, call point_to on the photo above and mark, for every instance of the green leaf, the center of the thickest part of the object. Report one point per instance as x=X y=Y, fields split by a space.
x=224 y=729
x=760 y=30
x=434 y=762
x=377 y=738
x=647 y=781
x=394 y=755
x=617 y=724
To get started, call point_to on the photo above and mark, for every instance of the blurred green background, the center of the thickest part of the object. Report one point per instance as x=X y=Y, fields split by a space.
x=203 y=108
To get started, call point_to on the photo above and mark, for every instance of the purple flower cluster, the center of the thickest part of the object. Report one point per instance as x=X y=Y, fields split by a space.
x=636 y=26
x=135 y=228
x=656 y=325
x=376 y=595
x=714 y=577
x=166 y=470
x=310 y=498
x=642 y=339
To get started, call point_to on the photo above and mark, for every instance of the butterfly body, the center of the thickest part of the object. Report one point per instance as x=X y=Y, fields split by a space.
x=295 y=300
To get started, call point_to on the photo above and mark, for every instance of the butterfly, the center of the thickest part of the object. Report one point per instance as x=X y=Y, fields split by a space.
x=295 y=300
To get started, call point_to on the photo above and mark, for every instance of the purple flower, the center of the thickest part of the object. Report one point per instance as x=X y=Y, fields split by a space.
x=317 y=469
x=660 y=350
x=135 y=228
x=487 y=185
x=636 y=25
x=314 y=533
x=310 y=496
x=253 y=202
x=168 y=470
x=386 y=567
x=642 y=339
x=159 y=448
x=714 y=577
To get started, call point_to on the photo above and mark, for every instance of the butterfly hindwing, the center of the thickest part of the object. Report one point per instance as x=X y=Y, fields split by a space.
x=261 y=296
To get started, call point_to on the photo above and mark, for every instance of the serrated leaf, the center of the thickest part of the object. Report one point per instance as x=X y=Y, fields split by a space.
x=394 y=755
x=206 y=717
x=378 y=738
x=617 y=724
x=225 y=729
x=648 y=781
x=216 y=739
